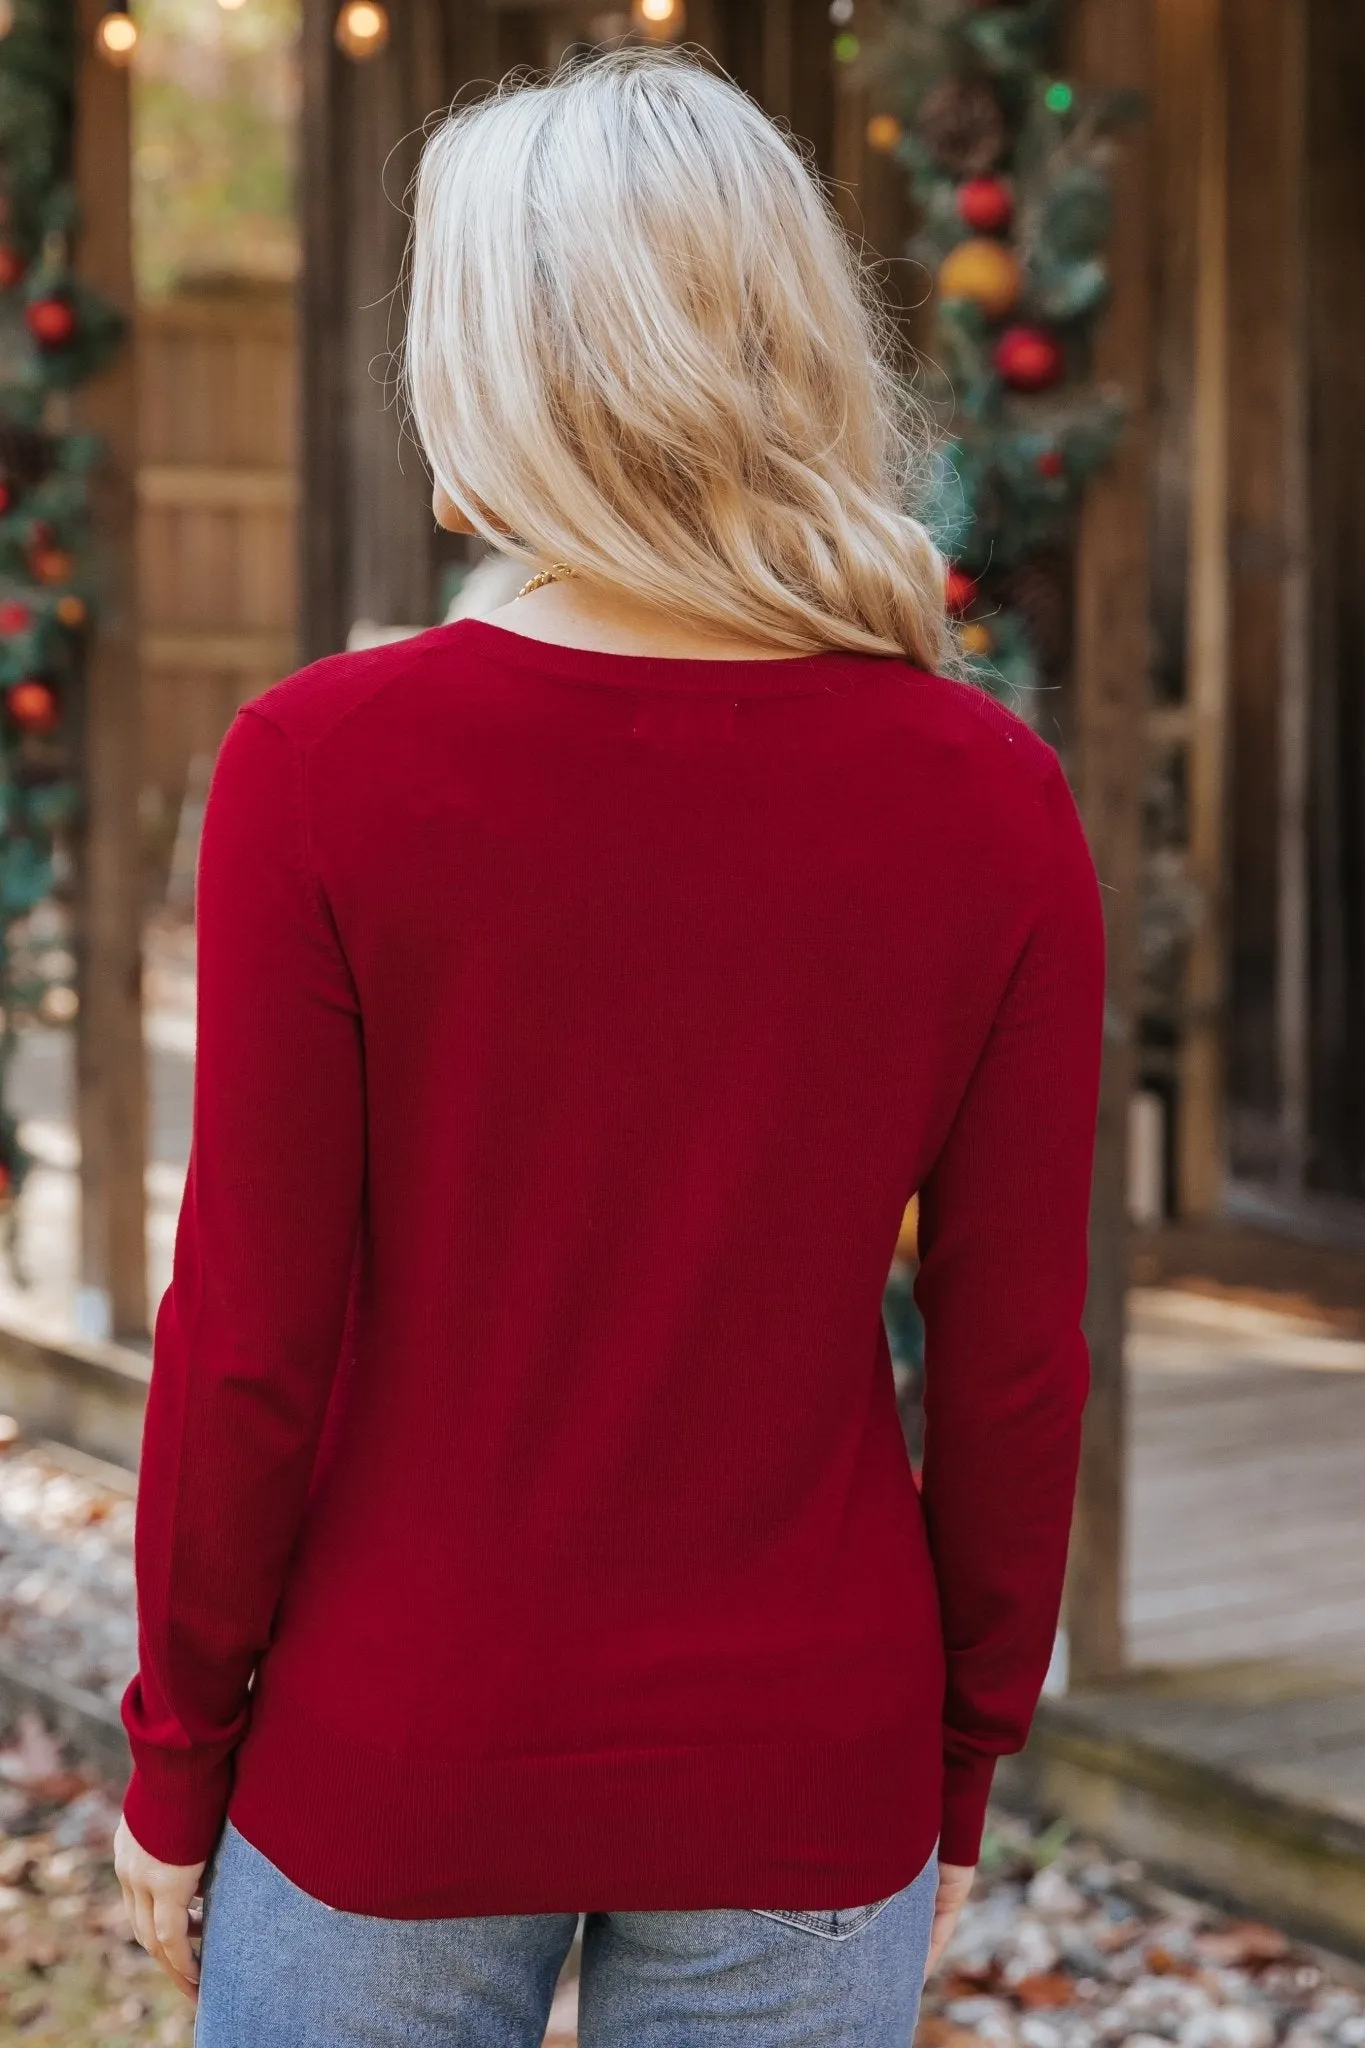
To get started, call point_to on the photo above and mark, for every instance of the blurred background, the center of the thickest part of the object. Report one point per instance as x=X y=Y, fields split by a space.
x=1121 y=245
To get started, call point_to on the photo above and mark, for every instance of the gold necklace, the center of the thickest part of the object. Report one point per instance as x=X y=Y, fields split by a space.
x=543 y=576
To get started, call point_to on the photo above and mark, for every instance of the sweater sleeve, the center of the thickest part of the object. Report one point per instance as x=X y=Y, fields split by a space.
x=1001 y=1286
x=248 y=1333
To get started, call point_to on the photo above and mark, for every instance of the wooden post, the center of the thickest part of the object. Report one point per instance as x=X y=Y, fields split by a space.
x=1114 y=46
x=391 y=573
x=1266 y=548
x=1336 y=294
x=111 y=1084
x=776 y=74
x=1201 y=1145
x=1294 y=973
x=323 y=331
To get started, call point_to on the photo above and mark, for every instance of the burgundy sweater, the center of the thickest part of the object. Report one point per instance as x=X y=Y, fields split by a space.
x=525 y=1522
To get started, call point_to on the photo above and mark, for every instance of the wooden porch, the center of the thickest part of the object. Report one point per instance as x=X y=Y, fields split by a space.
x=1232 y=1752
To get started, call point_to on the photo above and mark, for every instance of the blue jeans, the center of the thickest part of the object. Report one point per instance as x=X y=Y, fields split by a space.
x=281 y=1970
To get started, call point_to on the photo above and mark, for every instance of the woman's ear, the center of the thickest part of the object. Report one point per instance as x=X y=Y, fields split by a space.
x=447 y=514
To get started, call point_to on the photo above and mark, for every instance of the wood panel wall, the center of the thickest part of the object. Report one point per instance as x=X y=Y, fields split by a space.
x=217 y=518
x=1336 y=811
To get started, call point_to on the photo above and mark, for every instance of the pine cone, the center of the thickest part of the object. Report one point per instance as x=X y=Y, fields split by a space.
x=961 y=124
x=1039 y=590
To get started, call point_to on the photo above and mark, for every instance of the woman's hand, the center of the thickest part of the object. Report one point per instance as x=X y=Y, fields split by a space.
x=954 y=1883
x=158 y=1897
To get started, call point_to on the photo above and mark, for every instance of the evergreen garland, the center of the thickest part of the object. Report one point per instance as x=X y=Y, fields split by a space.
x=1010 y=170
x=53 y=335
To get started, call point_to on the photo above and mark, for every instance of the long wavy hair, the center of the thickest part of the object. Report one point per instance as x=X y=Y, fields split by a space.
x=639 y=342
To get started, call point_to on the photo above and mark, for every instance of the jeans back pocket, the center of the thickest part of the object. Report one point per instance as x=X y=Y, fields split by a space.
x=831 y=1923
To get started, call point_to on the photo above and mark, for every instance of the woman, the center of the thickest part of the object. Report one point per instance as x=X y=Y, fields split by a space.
x=525 y=1524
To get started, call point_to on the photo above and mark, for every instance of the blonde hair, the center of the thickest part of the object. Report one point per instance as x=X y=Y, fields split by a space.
x=638 y=342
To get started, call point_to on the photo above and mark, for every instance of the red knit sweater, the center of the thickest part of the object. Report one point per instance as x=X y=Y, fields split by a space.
x=525 y=1522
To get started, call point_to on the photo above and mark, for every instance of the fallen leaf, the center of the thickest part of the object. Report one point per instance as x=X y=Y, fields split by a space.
x=40 y=1951
x=1044 y=1988
x=1118 y=1934
x=957 y=1982
x=1244 y=1945
x=934 y=2031
x=33 y=1756
x=1160 y=1962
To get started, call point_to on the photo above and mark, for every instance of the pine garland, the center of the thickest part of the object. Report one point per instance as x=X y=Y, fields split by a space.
x=1010 y=170
x=53 y=335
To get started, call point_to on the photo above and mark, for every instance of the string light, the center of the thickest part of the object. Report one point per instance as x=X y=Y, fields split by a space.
x=362 y=29
x=6 y=17
x=116 y=34
x=658 y=19
x=231 y=6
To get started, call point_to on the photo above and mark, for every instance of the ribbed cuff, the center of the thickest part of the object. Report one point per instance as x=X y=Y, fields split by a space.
x=966 y=1789
x=175 y=1804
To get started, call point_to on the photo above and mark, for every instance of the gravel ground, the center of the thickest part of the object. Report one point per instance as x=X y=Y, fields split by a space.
x=70 y=1972
x=1060 y=1947
x=66 y=1567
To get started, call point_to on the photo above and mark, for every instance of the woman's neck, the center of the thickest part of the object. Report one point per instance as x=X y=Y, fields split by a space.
x=575 y=613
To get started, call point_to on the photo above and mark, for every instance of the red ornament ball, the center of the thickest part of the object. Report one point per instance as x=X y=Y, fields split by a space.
x=33 y=706
x=11 y=266
x=5 y=499
x=52 y=565
x=986 y=205
x=1051 y=463
x=1029 y=358
x=14 y=617
x=51 y=322
x=959 y=591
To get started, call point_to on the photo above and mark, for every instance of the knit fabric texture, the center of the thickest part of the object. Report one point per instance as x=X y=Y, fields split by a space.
x=525 y=1522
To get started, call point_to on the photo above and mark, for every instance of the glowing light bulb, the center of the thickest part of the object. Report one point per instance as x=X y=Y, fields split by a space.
x=884 y=131
x=116 y=36
x=231 y=6
x=362 y=29
x=660 y=20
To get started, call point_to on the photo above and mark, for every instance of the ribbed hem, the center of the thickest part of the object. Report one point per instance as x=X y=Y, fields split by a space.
x=174 y=1805
x=782 y=1824
x=966 y=1789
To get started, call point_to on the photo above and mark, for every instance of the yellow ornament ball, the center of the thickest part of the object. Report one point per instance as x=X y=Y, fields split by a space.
x=975 y=637
x=983 y=271
x=70 y=610
x=884 y=131
x=907 y=1239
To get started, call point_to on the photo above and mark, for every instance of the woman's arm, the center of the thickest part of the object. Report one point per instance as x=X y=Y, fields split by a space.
x=248 y=1334
x=1001 y=1285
